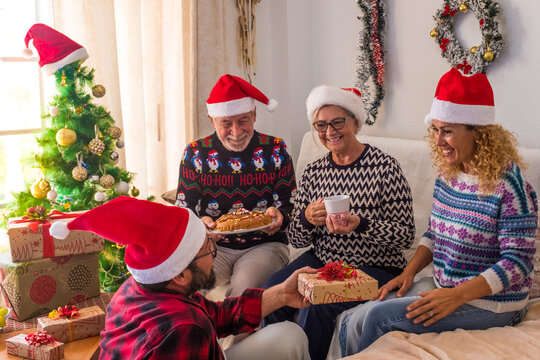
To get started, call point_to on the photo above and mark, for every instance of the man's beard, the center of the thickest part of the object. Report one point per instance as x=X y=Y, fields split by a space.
x=201 y=280
x=237 y=147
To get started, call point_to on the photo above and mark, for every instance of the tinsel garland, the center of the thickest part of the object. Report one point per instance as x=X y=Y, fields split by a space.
x=371 y=65
x=478 y=58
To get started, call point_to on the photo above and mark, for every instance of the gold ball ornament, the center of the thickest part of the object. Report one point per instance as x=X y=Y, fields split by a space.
x=434 y=33
x=107 y=181
x=79 y=173
x=488 y=55
x=473 y=49
x=135 y=192
x=115 y=132
x=40 y=188
x=99 y=91
x=463 y=8
x=96 y=146
x=66 y=136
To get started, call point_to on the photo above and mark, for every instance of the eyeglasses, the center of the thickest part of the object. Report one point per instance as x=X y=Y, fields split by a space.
x=213 y=251
x=336 y=124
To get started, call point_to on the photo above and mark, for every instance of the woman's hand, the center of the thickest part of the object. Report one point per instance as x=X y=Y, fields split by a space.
x=434 y=305
x=345 y=225
x=403 y=281
x=275 y=214
x=210 y=225
x=316 y=213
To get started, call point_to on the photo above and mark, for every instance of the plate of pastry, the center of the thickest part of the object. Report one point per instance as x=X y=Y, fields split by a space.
x=242 y=221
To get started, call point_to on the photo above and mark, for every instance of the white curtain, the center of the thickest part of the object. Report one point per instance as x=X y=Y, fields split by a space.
x=149 y=55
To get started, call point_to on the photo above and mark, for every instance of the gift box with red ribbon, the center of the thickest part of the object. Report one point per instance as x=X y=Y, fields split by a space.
x=35 y=287
x=67 y=325
x=37 y=346
x=29 y=237
x=337 y=283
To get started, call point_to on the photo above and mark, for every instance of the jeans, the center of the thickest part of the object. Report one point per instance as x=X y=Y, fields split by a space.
x=367 y=322
x=318 y=321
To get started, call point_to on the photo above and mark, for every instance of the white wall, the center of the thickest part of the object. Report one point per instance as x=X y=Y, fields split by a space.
x=304 y=43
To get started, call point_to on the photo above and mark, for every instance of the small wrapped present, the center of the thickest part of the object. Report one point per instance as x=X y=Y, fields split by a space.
x=40 y=346
x=337 y=283
x=29 y=237
x=68 y=323
x=36 y=287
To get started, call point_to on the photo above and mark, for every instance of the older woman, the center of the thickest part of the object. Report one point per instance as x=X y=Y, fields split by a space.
x=380 y=225
x=481 y=231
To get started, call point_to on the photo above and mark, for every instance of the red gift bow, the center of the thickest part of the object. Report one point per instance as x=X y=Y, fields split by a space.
x=336 y=271
x=68 y=312
x=444 y=42
x=48 y=242
x=447 y=11
x=39 y=338
x=466 y=67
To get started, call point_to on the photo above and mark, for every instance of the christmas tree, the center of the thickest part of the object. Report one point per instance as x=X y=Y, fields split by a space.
x=78 y=147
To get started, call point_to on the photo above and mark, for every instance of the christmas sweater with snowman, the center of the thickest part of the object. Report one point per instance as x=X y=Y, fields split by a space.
x=214 y=181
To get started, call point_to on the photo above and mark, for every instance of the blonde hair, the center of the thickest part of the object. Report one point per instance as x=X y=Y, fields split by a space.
x=495 y=148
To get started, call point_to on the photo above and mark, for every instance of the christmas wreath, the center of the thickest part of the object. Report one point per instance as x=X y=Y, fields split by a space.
x=371 y=58
x=476 y=59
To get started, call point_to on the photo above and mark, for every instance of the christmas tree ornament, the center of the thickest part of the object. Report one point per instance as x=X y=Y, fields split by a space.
x=135 y=192
x=100 y=196
x=52 y=195
x=79 y=110
x=98 y=91
x=476 y=59
x=40 y=188
x=121 y=188
x=115 y=132
x=66 y=136
x=120 y=144
x=79 y=173
x=107 y=181
x=96 y=146
x=434 y=33
x=53 y=111
x=63 y=82
x=114 y=156
x=94 y=179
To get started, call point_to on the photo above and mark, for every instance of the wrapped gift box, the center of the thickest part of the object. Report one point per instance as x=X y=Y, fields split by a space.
x=30 y=239
x=18 y=346
x=35 y=287
x=322 y=291
x=90 y=322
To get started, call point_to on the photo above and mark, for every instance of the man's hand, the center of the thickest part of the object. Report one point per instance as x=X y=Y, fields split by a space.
x=285 y=294
x=343 y=226
x=316 y=213
x=278 y=220
x=210 y=225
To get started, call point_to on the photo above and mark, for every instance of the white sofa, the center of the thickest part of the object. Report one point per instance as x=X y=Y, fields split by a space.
x=520 y=342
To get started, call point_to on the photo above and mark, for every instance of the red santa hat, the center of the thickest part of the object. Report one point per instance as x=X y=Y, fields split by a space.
x=461 y=99
x=54 y=48
x=160 y=240
x=346 y=98
x=233 y=96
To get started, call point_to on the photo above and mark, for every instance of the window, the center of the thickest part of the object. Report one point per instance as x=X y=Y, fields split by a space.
x=24 y=93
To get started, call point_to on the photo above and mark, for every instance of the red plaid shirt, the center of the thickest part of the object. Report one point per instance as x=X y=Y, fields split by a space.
x=141 y=324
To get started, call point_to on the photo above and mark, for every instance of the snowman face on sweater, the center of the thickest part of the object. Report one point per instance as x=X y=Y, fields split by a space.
x=235 y=132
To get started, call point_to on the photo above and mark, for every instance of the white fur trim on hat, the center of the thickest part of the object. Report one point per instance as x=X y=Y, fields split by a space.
x=449 y=112
x=330 y=95
x=231 y=108
x=78 y=54
x=184 y=254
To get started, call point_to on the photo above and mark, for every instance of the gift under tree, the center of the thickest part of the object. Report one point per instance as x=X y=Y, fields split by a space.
x=78 y=155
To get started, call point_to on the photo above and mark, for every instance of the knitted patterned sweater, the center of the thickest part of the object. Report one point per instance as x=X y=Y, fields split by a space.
x=214 y=181
x=379 y=194
x=491 y=236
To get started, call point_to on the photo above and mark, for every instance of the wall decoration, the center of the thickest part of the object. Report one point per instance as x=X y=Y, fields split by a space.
x=246 y=36
x=479 y=57
x=371 y=65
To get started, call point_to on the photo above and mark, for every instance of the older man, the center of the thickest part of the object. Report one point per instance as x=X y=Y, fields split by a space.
x=158 y=313
x=238 y=167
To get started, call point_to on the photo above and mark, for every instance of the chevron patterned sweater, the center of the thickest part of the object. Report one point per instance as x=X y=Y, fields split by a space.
x=379 y=194
x=491 y=236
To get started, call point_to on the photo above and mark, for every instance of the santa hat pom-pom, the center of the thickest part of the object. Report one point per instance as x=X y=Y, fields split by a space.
x=27 y=52
x=272 y=105
x=428 y=119
x=59 y=230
